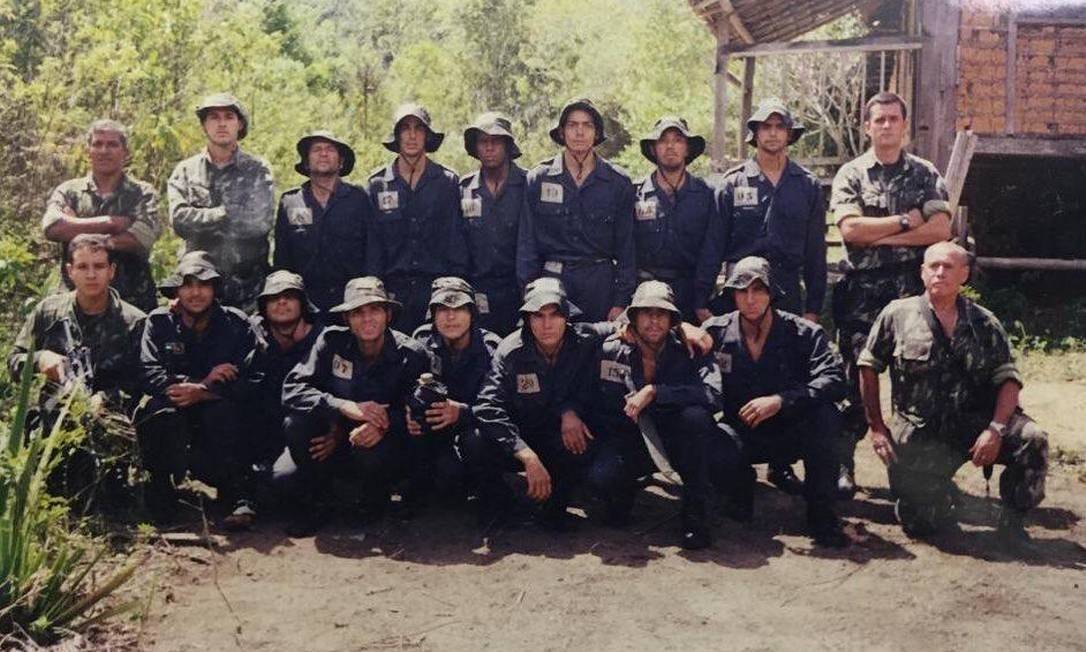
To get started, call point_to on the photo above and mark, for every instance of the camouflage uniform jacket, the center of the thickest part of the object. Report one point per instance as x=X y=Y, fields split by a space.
x=937 y=381
x=134 y=199
x=227 y=212
x=109 y=342
x=864 y=187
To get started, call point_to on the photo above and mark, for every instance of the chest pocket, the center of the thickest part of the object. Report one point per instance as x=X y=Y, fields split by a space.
x=199 y=194
x=874 y=202
x=598 y=226
x=914 y=354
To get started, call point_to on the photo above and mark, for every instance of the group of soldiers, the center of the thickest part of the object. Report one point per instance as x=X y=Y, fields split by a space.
x=428 y=335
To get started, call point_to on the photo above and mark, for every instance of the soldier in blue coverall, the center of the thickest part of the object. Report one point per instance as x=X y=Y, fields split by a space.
x=491 y=203
x=773 y=207
x=415 y=235
x=460 y=353
x=346 y=406
x=578 y=225
x=320 y=228
x=193 y=355
x=780 y=383
x=652 y=409
x=674 y=216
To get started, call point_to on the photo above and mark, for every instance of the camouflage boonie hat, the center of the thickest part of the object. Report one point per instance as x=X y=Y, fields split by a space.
x=695 y=144
x=451 y=292
x=747 y=271
x=404 y=111
x=346 y=154
x=767 y=108
x=281 y=281
x=491 y=123
x=584 y=104
x=363 y=291
x=224 y=101
x=194 y=263
x=547 y=291
x=653 y=294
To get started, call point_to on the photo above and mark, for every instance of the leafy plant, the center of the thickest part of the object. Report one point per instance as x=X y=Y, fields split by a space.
x=50 y=574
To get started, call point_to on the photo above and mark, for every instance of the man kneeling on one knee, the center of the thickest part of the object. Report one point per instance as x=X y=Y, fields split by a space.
x=954 y=390
x=780 y=379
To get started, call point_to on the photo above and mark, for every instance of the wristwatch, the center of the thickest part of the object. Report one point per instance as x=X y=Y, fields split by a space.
x=997 y=427
x=903 y=221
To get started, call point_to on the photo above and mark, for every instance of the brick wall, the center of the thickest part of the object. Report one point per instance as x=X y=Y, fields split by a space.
x=1050 y=76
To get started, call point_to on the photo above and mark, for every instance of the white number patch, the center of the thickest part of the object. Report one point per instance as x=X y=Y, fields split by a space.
x=342 y=368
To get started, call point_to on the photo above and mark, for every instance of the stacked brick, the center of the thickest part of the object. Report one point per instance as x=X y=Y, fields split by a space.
x=1050 y=76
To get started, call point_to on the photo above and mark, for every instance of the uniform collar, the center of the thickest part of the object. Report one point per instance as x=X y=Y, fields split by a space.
x=234 y=158
x=752 y=170
x=92 y=185
x=601 y=171
x=868 y=160
x=516 y=177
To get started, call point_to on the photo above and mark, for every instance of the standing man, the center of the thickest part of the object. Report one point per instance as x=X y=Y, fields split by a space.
x=109 y=202
x=347 y=407
x=491 y=203
x=780 y=382
x=193 y=356
x=320 y=229
x=578 y=226
x=674 y=217
x=415 y=235
x=889 y=206
x=652 y=402
x=222 y=202
x=772 y=207
x=954 y=390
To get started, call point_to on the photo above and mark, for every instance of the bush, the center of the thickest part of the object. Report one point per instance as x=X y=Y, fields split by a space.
x=50 y=571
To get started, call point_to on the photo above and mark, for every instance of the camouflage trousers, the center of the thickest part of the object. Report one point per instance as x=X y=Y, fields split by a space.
x=928 y=458
x=857 y=301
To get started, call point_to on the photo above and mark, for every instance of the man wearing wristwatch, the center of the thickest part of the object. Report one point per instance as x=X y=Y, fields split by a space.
x=889 y=206
x=954 y=390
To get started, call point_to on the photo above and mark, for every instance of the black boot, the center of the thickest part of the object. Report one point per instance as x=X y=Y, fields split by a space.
x=740 y=506
x=695 y=536
x=782 y=477
x=1011 y=530
x=826 y=527
x=846 y=482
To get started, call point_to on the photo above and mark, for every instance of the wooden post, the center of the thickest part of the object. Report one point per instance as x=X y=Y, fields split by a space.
x=720 y=100
x=958 y=167
x=1012 y=69
x=744 y=114
x=935 y=116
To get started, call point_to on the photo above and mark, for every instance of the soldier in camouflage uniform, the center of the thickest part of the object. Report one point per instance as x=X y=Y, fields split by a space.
x=952 y=376
x=88 y=337
x=889 y=206
x=222 y=201
x=109 y=202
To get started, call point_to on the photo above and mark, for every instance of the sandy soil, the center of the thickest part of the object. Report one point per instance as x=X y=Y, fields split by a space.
x=435 y=584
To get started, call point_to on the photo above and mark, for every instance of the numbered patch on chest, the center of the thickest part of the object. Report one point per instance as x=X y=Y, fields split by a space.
x=746 y=196
x=646 y=209
x=175 y=348
x=528 y=384
x=614 y=372
x=388 y=200
x=724 y=361
x=551 y=193
x=300 y=216
x=471 y=207
x=341 y=367
x=482 y=303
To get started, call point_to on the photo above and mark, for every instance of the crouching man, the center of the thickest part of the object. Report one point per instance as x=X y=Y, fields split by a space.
x=780 y=381
x=653 y=409
x=346 y=407
x=954 y=390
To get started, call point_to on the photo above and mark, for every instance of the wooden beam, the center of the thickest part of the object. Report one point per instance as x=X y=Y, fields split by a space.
x=935 y=116
x=736 y=22
x=862 y=44
x=958 y=168
x=1011 y=88
x=720 y=101
x=1021 y=146
x=1041 y=20
x=744 y=113
x=1039 y=264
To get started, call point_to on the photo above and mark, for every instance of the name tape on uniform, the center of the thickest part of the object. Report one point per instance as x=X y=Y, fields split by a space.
x=527 y=384
x=614 y=372
x=746 y=196
x=341 y=367
x=553 y=266
x=724 y=361
x=388 y=200
x=551 y=193
x=646 y=209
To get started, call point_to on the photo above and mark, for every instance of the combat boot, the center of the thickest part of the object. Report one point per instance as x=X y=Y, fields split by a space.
x=825 y=527
x=1011 y=531
x=740 y=506
x=695 y=537
x=784 y=478
x=846 y=483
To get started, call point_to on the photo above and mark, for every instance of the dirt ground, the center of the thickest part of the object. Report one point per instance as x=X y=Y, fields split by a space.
x=434 y=584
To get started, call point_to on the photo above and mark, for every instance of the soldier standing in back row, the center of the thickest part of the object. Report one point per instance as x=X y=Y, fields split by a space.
x=491 y=202
x=579 y=223
x=889 y=205
x=222 y=201
x=415 y=235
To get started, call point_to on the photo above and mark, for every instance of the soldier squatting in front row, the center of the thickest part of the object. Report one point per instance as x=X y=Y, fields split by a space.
x=303 y=393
